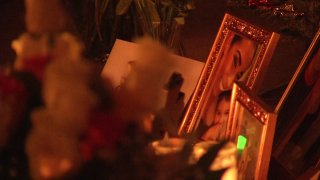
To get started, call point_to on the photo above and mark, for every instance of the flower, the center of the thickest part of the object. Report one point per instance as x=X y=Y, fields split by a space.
x=104 y=131
x=36 y=51
x=13 y=97
x=36 y=66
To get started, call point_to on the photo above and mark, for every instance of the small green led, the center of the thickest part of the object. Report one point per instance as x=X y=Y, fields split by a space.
x=242 y=141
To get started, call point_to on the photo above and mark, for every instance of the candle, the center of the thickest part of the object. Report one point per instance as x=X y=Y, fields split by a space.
x=168 y=145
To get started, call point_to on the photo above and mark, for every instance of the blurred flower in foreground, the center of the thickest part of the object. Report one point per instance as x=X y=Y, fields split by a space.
x=53 y=143
x=13 y=96
x=35 y=51
x=143 y=87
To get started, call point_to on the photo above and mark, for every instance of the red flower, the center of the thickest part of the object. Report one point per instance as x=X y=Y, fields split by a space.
x=13 y=99
x=11 y=86
x=104 y=131
x=36 y=65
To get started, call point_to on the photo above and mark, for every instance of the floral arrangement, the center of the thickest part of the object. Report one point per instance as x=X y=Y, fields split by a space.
x=61 y=120
x=76 y=126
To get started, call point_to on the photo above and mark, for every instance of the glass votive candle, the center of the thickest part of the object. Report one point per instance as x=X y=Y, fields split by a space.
x=168 y=145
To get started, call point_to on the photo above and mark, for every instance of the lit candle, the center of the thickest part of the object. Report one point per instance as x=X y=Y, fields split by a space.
x=168 y=145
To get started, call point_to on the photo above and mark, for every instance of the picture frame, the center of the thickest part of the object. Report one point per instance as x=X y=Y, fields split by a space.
x=296 y=146
x=255 y=40
x=252 y=126
x=298 y=72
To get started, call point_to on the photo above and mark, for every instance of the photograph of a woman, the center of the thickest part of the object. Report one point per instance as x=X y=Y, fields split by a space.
x=237 y=58
x=241 y=52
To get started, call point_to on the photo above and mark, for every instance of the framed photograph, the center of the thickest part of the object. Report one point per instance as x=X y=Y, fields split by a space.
x=293 y=84
x=297 y=141
x=252 y=127
x=241 y=52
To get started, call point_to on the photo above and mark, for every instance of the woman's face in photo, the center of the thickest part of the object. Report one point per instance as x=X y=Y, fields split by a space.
x=237 y=60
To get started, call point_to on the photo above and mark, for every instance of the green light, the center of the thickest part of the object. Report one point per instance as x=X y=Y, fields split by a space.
x=242 y=141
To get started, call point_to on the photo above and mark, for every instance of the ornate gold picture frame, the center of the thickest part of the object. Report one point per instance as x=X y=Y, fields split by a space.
x=240 y=52
x=252 y=125
x=293 y=82
x=297 y=141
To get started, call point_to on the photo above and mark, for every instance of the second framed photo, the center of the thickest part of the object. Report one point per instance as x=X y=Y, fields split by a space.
x=252 y=125
x=240 y=52
x=297 y=140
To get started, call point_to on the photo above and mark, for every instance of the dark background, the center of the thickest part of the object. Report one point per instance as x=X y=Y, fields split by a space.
x=11 y=26
x=198 y=35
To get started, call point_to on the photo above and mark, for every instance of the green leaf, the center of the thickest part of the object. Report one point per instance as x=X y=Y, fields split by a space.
x=180 y=20
x=190 y=5
x=100 y=8
x=123 y=6
x=166 y=2
x=149 y=17
x=104 y=6
x=153 y=13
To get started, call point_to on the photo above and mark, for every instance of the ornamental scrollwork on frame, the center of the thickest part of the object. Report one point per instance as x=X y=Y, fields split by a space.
x=251 y=106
